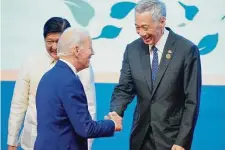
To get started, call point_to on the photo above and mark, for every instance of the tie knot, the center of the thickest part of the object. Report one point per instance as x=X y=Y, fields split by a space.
x=154 y=49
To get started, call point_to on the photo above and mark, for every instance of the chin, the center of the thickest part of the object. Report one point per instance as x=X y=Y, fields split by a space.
x=54 y=56
x=87 y=66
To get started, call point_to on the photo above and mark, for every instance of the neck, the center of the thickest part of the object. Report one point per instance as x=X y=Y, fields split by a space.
x=73 y=61
x=160 y=36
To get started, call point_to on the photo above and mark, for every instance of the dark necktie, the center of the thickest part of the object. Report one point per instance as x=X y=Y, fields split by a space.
x=155 y=63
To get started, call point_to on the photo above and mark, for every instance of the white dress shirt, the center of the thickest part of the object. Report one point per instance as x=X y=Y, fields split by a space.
x=23 y=103
x=160 y=46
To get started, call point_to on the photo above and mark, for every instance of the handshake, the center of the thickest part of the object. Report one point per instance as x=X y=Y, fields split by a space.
x=116 y=119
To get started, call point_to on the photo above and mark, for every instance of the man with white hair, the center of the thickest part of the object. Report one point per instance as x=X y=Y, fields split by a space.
x=23 y=105
x=63 y=119
x=163 y=70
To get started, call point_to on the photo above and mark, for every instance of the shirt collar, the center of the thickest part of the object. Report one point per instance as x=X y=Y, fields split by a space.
x=70 y=65
x=162 y=41
x=49 y=58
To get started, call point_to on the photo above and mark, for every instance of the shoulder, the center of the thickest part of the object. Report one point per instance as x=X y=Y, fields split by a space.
x=68 y=78
x=131 y=48
x=37 y=59
x=184 y=41
x=71 y=84
x=188 y=47
x=135 y=42
x=184 y=44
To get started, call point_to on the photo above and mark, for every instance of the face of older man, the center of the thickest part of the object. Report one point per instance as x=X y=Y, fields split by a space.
x=150 y=31
x=51 y=42
x=85 y=53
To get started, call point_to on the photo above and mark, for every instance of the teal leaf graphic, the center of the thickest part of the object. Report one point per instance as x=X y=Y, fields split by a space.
x=109 y=32
x=81 y=10
x=182 y=25
x=223 y=17
x=190 y=11
x=121 y=9
x=208 y=43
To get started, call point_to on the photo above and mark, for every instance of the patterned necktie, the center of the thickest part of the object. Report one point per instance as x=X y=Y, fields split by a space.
x=155 y=63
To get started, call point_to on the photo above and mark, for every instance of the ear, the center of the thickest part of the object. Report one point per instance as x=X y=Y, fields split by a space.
x=162 y=21
x=76 y=50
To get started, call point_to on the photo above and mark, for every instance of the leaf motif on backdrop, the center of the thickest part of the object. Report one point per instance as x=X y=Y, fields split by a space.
x=182 y=25
x=109 y=32
x=223 y=18
x=121 y=10
x=208 y=43
x=190 y=11
x=81 y=10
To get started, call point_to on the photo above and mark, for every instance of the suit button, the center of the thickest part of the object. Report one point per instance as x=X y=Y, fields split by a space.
x=151 y=123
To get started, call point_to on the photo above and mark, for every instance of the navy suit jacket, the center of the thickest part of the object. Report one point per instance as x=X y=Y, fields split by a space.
x=64 y=122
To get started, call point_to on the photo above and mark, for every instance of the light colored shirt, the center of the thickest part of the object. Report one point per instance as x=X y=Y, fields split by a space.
x=23 y=103
x=160 y=46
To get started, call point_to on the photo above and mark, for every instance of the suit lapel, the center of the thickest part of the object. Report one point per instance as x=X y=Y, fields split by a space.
x=145 y=63
x=167 y=56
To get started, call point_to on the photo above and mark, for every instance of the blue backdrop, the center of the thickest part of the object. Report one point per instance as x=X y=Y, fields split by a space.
x=209 y=133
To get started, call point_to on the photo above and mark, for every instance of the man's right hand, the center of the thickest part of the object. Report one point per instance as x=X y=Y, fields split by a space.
x=117 y=120
x=12 y=147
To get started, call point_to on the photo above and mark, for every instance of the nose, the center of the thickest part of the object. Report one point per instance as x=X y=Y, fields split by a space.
x=92 y=51
x=54 y=45
x=142 y=33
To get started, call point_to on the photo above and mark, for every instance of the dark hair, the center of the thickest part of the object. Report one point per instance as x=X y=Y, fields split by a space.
x=54 y=25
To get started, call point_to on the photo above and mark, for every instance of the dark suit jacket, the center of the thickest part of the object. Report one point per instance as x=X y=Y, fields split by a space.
x=170 y=107
x=64 y=122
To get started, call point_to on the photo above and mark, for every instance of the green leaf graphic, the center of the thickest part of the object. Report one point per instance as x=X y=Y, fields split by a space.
x=81 y=10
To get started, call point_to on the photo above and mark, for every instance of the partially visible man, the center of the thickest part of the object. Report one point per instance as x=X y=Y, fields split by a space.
x=23 y=102
x=163 y=70
x=64 y=121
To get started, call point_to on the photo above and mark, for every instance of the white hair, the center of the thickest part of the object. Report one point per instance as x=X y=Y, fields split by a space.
x=69 y=38
x=156 y=7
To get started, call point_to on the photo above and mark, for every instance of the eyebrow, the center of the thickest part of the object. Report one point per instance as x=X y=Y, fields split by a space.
x=143 y=25
x=51 y=40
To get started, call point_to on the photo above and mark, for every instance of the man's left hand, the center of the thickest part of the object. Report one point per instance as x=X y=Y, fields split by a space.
x=177 y=147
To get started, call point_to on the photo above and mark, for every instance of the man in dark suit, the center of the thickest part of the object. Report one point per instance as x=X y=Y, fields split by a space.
x=163 y=70
x=63 y=119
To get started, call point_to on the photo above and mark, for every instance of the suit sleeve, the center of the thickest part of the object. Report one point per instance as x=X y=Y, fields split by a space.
x=19 y=105
x=75 y=104
x=124 y=92
x=192 y=90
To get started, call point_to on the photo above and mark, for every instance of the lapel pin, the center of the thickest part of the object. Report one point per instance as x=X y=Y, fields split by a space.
x=168 y=56
x=169 y=51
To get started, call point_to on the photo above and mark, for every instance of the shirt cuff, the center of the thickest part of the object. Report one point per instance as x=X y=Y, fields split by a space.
x=12 y=141
x=114 y=123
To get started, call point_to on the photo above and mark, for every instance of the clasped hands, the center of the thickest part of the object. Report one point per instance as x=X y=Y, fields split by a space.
x=116 y=119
